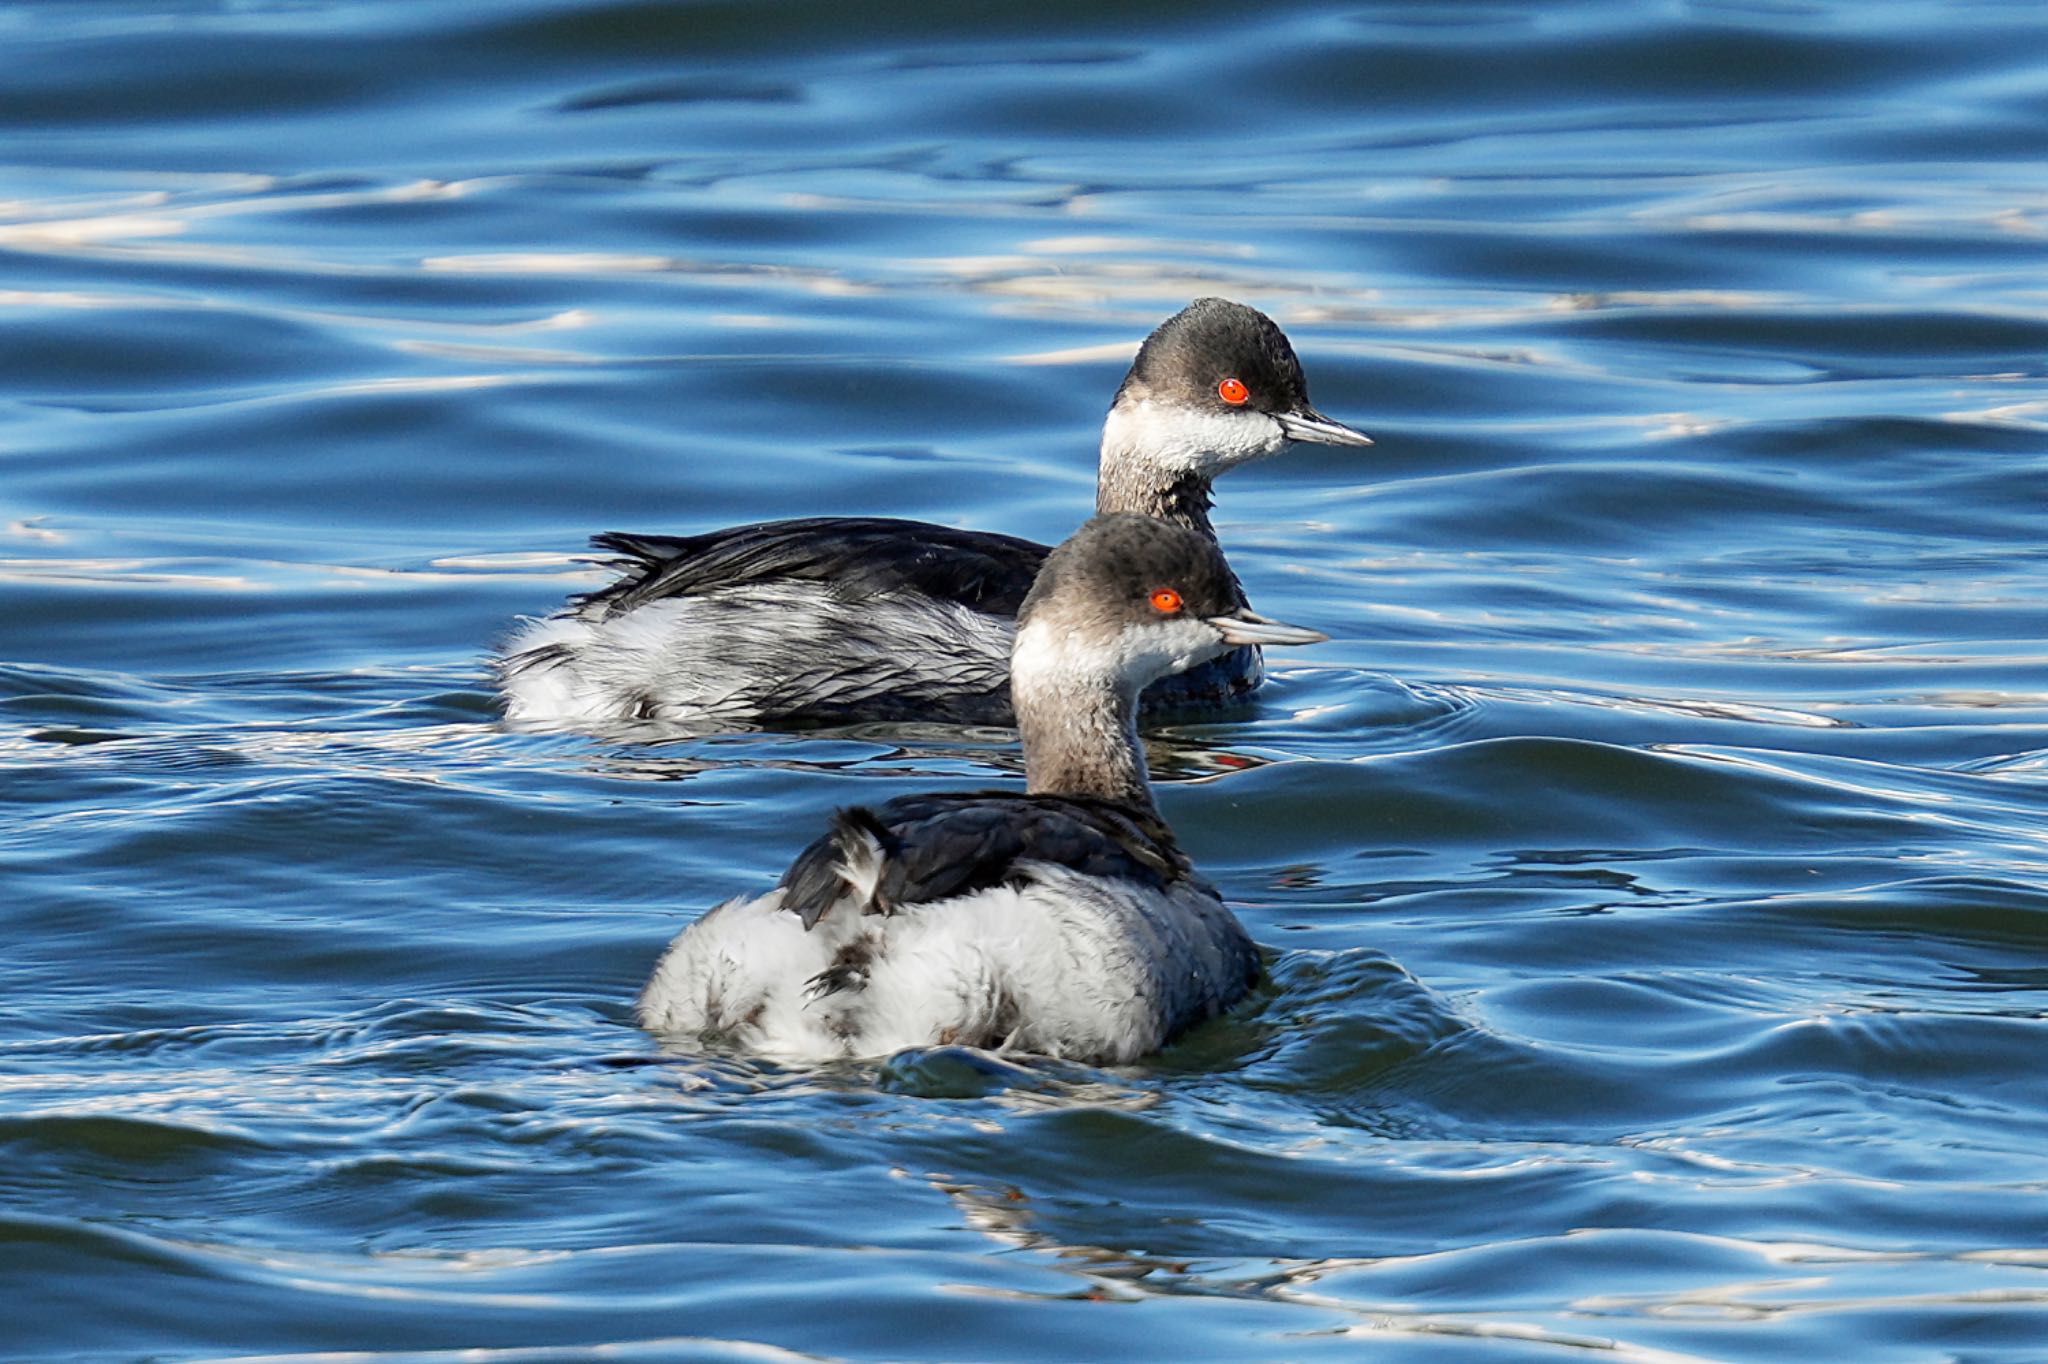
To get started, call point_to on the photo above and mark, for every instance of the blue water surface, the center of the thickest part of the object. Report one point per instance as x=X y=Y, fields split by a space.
x=1653 y=869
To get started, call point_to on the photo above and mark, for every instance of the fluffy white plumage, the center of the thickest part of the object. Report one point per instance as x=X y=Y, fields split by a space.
x=1064 y=965
x=1167 y=441
x=1047 y=655
x=723 y=658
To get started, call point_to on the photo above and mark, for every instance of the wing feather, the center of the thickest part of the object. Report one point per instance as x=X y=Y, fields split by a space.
x=862 y=557
x=920 y=849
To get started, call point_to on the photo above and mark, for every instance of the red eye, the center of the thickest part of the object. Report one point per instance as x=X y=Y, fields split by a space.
x=1166 y=601
x=1234 y=392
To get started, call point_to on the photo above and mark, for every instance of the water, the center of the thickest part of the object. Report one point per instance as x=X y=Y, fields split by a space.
x=1654 y=868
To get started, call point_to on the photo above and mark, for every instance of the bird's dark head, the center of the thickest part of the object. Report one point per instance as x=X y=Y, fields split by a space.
x=1215 y=385
x=1126 y=600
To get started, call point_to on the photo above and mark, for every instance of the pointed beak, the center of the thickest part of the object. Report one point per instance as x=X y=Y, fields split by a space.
x=1248 y=627
x=1307 y=424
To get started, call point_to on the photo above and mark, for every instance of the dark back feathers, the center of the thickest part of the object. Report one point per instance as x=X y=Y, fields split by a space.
x=935 y=847
x=860 y=557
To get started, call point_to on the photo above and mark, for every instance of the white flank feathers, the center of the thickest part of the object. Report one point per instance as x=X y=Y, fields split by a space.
x=726 y=655
x=1065 y=965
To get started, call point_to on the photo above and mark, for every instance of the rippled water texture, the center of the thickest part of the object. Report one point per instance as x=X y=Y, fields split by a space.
x=1654 y=869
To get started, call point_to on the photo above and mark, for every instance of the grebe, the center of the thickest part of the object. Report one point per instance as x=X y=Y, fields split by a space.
x=842 y=620
x=1062 y=920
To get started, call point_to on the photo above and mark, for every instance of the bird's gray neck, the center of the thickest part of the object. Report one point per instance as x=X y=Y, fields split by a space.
x=1076 y=746
x=1153 y=466
x=1080 y=732
x=1129 y=486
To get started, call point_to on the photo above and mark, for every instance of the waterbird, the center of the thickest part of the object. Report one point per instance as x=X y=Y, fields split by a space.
x=1063 y=920
x=846 y=620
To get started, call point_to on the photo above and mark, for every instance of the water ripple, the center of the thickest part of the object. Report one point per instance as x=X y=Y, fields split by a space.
x=1650 y=872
